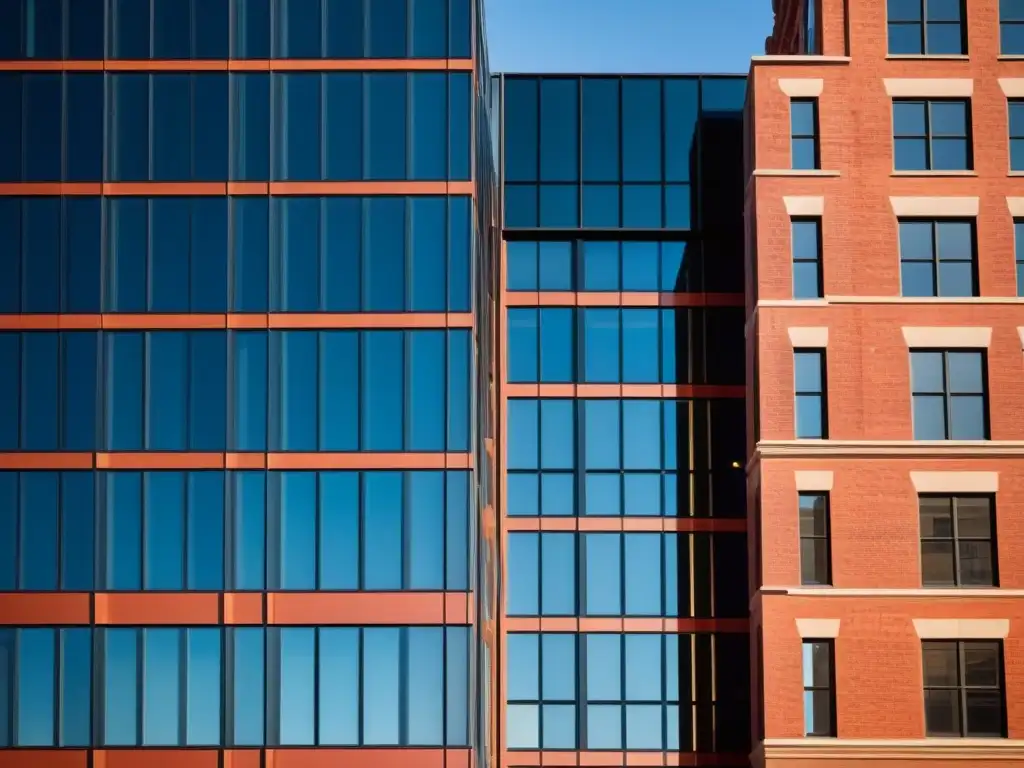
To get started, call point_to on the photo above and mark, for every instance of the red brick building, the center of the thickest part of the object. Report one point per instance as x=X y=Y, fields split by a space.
x=886 y=382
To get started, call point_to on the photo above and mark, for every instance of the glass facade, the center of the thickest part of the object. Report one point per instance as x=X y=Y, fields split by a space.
x=243 y=375
x=624 y=415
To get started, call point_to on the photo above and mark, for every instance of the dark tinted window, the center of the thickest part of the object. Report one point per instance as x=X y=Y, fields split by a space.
x=958 y=541
x=963 y=688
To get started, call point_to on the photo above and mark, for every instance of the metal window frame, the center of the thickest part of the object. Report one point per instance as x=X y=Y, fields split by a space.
x=821 y=394
x=955 y=538
x=826 y=537
x=923 y=24
x=830 y=689
x=818 y=259
x=962 y=689
x=946 y=395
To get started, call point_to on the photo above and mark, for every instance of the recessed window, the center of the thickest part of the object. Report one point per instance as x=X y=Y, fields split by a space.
x=963 y=688
x=811 y=417
x=927 y=27
x=948 y=391
x=815 y=557
x=937 y=258
x=803 y=116
x=931 y=135
x=1011 y=27
x=1018 y=249
x=806 y=239
x=957 y=541
x=819 y=688
x=1015 y=109
x=809 y=31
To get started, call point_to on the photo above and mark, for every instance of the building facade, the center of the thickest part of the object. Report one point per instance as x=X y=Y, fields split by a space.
x=621 y=421
x=884 y=351
x=244 y=366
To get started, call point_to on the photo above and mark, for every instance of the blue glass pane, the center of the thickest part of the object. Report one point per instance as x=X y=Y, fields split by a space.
x=130 y=29
x=297 y=538
x=604 y=667
x=341 y=247
x=250 y=390
x=127 y=289
x=681 y=111
x=8 y=649
x=424 y=701
x=383 y=390
x=904 y=10
x=249 y=530
x=522 y=726
x=40 y=396
x=950 y=155
x=35 y=705
x=247 y=681
x=251 y=255
x=559 y=205
x=297 y=282
x=81 y=254
x=382 y=530
x=250 y=138
x=926 y=372
x=344 y=32
x=457 y=669
x=604 y=726
x=809 y=417
x=77 y=527
x=210 y=126
x=945 y=38
x=641 y=422
x=11 y=256
x=298 y=144
x=966 y=373
x=807 y=280
x=339 y=390
x=522 y=495
x=457 y=546
x=1011 y=39
x=556 y=345
x=557 y=435
x=643 y=667
x=641 y=130
x=85 y=22
x=601 y=205
x=384 y=152
x=42 y=132
x=602 y=434
x=521 y=135
x=381 y=685
x=558 y=725
x=600 y=131
x=460 y=233
x=339 y=685
x=905 y=39
x=459 y=367
x=298 y=350
x=205 y=556
x=558 y=575
x=207 y=390
x=601 y=345
x=523 y=340
x=601 y=266
x=120 y=686
x=956 y=279
x=807 y=367
x=203 y=705
x=523 y=575
x=426 y=531
x=523 y=666
x=603 y=574
x=640 y=266
x=521 y=260
x=641 y=206
x=806 y=238
x=171 y=113
x=209 y=254
x=521 y=201
x=558 y=667
x=297 y=682
x=1015 y=109
x=338 y=536
x=805 y=154
x=167 y=396
x=38 y=546
x=524 y=434
x=643 y=726
x=642 y=494
x=164 y=527
x=427 y=278
x=459 y=30
x=123 y=568
x=643 y=578
x=388 y=29
x=967 y=418
x=169 y=240
x=343 y=133
x=40 y=243
x=75 y=687
x=559 y=130
x=11 y=131
x=384 y=266
x=555 y=266
x=640 y=346
x=911 y=154
x=674 y=363
x=211 y=24
x=251 y=29
x=428 y=96
x=604 y=495
x=557 y=494
x=298 y=29
x=161 y=709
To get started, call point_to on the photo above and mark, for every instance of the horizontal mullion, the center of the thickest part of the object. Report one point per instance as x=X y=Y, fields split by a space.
x=234 y=65
x=143 y=321
x=238 y=188
x=183 y=460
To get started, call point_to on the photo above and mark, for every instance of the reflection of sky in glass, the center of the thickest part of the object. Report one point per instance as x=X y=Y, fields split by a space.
x=380 y=685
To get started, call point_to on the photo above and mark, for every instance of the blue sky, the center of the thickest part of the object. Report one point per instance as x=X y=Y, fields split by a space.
x=663 y=36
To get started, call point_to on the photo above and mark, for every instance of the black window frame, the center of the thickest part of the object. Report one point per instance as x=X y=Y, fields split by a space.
x=818 y=259
x=961 y=688
x=826 y=537
x=929 y=136
x=810 y=33
x=829 y=690
x=814 y=136
x=923 y=24
x=1018 y=253
x=1010 y=135
x=821 y=394
x=954 y=538
x=946 y=395
x=1013 y=23
x=935 y=260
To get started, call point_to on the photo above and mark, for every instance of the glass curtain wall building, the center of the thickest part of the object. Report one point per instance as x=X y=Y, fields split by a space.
x=244 y=374
x=623 y=428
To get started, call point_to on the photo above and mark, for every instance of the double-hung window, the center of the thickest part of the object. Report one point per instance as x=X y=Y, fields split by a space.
x=927 y=27
x=811 y=416
x=819 y=688
x=958 y=541
x=1011 y=27
x=938 y=258
x=963 y=688
x=932 y=135
x=815 y=556
x=803 y=122
x=949 y=394
x=806 y=239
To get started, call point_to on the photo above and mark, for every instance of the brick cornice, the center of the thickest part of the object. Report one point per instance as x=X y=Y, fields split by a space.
x=888 y=749
x=888 y=449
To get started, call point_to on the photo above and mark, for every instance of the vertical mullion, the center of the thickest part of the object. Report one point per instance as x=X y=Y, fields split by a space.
x=961 y=684
x=182 y=685
x=955 y=512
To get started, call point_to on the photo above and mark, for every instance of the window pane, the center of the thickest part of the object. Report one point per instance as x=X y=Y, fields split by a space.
x=640 y=346
x=298 y=425
x=557 y=438
x=643 y=726
x=40 y=356
x=171 y=112
x=600 y=130
x=601 y=345
x=120 y=687
x=937 y=563
x=602 y=567
x=967 y=418
x=298 y=145
x=604 y=726
x=203 y=686
x=381 y=685
x=641 y=422
x=339 y=685
x=384 y=255
x=941 y=713
x=161 y=708
x=984 y=714
x=559 y=726
x=965 y=373
x=558 y=671
x=424 y=685
x=205 y=530
x=35 y=704
x=383 y=523
x=523 y=574
x=40 y=242
x=75 y=687
x=524 y=434
x=124 y=531
x=247 y=680
x=251 y=254
x=39 y=492
x=641 y=129
x=602 y=434
x=338 y=537
x=523 y=726
x=77 y=531
x=601 y=266
x=643 y=575
x=164 y=527
x=425 y=530
x=426 y=390
x=558 y=572
x=297 y=685
x=297 y=542
x=604 y=667
x=559 y=129
x=929 y=418
x=250 y=145
x=385 y=140
x=166 y=372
